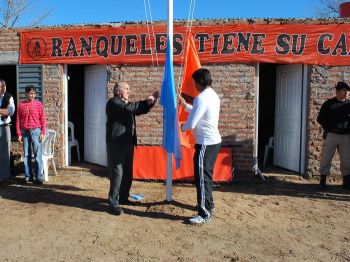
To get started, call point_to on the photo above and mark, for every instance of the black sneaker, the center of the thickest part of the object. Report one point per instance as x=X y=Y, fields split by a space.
x=323 y=182
x=39 y=182
x=116 y=210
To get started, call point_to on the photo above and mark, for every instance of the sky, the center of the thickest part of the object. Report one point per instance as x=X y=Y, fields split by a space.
x=64 y=12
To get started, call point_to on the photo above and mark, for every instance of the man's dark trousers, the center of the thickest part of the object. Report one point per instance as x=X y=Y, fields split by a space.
x=204 y=161
x=120 y=163
x=5 y=146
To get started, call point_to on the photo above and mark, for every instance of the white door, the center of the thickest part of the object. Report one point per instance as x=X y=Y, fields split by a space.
x=288 y=117
x=95 y=115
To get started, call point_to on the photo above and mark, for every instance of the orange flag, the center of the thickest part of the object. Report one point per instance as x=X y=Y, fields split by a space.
x=188 y=89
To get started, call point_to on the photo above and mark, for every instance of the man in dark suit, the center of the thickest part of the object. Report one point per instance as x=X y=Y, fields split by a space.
x=121 y=139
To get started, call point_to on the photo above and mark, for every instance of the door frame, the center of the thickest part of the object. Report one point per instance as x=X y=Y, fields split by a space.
x=65 y=97
x=304 y=118
x=65 y=88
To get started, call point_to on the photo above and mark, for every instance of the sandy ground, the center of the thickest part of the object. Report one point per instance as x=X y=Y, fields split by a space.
x=284 y=219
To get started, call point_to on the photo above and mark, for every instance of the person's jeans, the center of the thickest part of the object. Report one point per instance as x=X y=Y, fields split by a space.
x=31 y=142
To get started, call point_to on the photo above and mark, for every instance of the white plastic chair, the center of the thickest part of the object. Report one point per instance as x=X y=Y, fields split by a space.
x=72 y=141
x=268 y=146
x=48 y=149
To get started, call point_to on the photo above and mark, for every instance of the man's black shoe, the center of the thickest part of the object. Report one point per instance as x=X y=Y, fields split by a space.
x=116 y=210
x=125 y=202
x=346 y=182
x=323 y=182
x=39 y=182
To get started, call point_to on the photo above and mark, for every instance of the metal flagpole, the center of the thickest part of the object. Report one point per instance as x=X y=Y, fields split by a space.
x=168 y=155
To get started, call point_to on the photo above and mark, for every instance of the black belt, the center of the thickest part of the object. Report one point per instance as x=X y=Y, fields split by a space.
x=5 y=125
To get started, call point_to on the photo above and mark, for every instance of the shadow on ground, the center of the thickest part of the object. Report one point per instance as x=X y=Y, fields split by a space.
x=283 y=183
x=286 y=185
x=76 y=197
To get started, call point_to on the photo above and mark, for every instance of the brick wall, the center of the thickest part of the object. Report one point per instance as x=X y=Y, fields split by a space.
x=9 y=41
x=53 y=94
x=234 y=84
x=322 y=82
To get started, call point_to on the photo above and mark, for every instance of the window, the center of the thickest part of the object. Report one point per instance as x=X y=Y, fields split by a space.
x=29 y=75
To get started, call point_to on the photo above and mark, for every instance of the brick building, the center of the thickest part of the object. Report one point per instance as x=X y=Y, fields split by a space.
x=77 y=90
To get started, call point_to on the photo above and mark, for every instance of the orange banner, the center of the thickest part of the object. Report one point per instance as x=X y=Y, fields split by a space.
x=297 y=43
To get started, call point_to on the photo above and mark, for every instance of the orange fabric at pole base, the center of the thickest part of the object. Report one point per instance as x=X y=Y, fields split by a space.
x=150 y=163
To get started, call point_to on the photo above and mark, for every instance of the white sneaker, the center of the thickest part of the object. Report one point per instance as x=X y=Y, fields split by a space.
x=199 y=220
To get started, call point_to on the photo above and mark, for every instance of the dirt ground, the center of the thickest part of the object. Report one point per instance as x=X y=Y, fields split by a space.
x=285 y=218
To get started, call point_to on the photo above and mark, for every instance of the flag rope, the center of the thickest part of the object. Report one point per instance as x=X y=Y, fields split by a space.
x=187 y=34
x=149 y=34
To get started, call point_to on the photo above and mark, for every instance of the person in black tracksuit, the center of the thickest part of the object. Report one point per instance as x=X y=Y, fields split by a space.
x=204 y=119
x=334 y=117
x=121 y=139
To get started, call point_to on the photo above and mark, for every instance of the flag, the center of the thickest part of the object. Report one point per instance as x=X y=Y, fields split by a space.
x=188 y=89
x=171 y=139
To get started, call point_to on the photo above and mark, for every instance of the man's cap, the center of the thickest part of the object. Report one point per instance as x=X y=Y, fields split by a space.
x=342 y=85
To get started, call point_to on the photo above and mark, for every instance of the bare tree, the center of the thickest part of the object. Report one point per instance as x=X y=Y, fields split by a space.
x=13 y=11
x=327 y=8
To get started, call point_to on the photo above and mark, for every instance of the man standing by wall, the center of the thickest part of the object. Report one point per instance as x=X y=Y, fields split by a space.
x=334 y=117
x=121 y=139
x=7 y=109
